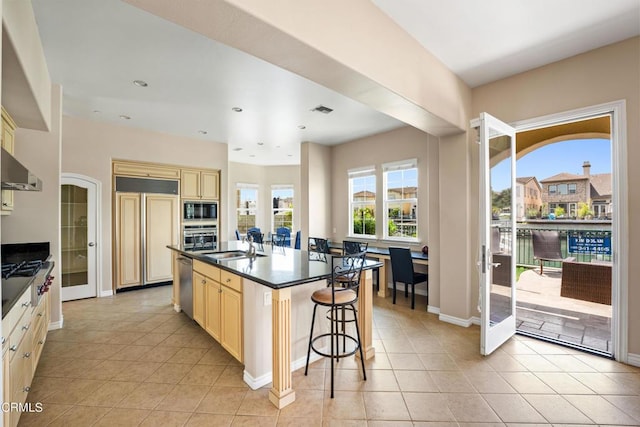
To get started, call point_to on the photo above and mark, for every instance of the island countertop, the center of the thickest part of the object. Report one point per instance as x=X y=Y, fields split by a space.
x=275 y=267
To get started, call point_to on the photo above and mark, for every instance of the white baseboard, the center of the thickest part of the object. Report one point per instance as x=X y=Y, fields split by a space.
x=633 y=359
x=56 y=325
x=433 y=309
x=456 y=320
x=263 y=380
x=475 y=320
x=177 y=308
x=108 y=293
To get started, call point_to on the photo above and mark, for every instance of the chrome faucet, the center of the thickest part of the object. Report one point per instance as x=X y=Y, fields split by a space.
x=251 y=251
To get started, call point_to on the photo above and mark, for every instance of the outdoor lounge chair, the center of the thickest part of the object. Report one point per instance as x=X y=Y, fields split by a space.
x=546 y=246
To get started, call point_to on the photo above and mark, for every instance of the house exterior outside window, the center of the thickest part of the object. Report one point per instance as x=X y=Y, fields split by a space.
x=528 y=200
x=246 y=206
x=400 y=184
x=281 y=207
x=362 y=202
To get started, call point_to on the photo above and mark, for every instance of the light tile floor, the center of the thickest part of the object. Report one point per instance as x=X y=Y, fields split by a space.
x=130 y=360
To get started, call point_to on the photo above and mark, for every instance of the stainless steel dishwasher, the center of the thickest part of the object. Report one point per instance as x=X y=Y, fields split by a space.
x=185 y=271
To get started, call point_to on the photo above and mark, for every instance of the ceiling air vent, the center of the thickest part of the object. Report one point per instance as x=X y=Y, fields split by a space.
x=322 y=109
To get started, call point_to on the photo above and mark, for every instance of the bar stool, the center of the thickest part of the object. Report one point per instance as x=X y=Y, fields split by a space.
x=341 y=296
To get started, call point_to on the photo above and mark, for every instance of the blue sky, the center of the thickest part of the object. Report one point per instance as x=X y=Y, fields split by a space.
x=552 y=159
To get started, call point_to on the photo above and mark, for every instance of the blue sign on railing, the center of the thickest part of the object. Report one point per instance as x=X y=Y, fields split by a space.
x=590 y=245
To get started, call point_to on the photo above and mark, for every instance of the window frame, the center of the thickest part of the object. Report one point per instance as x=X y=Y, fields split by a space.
x=273 y=209
x=364 y=172
x=387 y=168
x=553 y=189
x=256 y=188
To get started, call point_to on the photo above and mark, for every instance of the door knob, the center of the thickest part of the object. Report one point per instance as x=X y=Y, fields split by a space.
x=92 y=244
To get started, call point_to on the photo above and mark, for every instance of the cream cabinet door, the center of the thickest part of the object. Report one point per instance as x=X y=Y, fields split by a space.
x=162 y=228
x=231 y=322
x=212 y=309
x=199 y=295
x=128 y=242
x=209 y=185
x=8 y=132
x=190 y=184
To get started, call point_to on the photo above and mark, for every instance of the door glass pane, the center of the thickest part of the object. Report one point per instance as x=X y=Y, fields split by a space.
x=74 y=236
x=501 y=226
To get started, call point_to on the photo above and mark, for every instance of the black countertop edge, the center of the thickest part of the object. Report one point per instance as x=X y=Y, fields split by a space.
x=14 y=287
x=222 y=265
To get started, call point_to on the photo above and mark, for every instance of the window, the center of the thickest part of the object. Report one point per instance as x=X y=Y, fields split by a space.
x=281 y=207
x=400 y=181
x=246 y=206
x=362 y=202
x=553 y=189
x=562 y=189
x=572 y=188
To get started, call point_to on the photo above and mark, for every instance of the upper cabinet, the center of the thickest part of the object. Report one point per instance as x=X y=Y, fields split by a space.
x=199 y=184
x=8 y=132
x=145 y=170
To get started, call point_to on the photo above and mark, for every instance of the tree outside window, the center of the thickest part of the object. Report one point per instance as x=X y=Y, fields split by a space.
x=246 y=207
x=362 y=203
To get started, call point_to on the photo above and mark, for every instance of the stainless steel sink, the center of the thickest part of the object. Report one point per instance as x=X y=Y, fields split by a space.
x=230 y=255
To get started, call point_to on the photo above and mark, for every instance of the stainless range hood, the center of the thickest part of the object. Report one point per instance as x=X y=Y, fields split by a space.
x=15 y=176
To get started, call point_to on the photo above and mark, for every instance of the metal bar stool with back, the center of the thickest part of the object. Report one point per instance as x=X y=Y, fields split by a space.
x=340 y=297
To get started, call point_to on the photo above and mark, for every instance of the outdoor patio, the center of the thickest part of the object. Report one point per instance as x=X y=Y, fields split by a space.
x=542 y=311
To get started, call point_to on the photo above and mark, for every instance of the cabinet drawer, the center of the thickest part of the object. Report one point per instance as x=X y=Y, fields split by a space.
x=21 y=370
x=39 y=338
x=207 y=270
x=13 y=316
x=231 y=280
x=40 y=315
x=143 y=169
x=18 y=336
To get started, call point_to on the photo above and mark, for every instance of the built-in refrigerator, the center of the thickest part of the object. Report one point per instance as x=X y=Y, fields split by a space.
x=147 y=219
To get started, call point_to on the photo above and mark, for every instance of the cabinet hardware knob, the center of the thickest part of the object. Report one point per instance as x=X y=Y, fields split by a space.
x=25 y=327
x=220 y=290
x=4 y=340
x=13 y=348
x=27 y=354
x=228 y=280
x=40 y=342
x=26 y=304
x=91 y=244
x=27 y=389
x=204 y=282
x=39 y=314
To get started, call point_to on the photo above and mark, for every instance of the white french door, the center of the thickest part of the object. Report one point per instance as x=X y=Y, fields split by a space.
x=497 y=233
x=78 y=231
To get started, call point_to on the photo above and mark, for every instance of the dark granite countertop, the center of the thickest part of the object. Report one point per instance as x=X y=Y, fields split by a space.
x=277 y=267
x=14 y=287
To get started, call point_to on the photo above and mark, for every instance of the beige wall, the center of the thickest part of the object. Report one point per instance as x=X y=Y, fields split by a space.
x=316 y=182
x=88 y=148
x=36 y=215
x=264 y=177
x=603 y=75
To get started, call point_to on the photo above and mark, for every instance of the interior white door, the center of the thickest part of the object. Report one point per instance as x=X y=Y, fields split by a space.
x=497 y=232
x=78 y=230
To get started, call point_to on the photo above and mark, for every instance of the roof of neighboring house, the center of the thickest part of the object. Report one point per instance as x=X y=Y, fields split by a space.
x=365 y=193
x=408 y=190
x=564 y=177
x=600 y=185
x=525 y=180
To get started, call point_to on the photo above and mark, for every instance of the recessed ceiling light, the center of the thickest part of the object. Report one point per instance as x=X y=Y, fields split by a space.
x=277 y=146
x=237 y=149
x=302 y=127
x=237 y=109
x=290 y=155
x=123 y=117
x=97 y=111
x=202 y=132
x=252 y=155
x=140 y=83
x=260 y=143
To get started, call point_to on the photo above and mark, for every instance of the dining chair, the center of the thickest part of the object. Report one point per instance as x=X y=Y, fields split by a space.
x=402 y=271
x=284 y=231
x=352 y=247
x=256 y=235
x=279 y=240
x=237 y=234
x=546 y=246
x=319 y=247
x=339 y=297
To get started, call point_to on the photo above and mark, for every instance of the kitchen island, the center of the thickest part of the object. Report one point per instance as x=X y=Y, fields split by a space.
x=278 y=283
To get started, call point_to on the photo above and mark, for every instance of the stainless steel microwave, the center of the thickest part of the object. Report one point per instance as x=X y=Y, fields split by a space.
x=199 y=211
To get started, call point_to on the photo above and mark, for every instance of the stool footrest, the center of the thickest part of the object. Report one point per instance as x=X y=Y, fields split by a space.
x=333 y=336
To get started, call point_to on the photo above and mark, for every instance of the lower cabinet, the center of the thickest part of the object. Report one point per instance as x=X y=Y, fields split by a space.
x=217 y=295
x=24 y=330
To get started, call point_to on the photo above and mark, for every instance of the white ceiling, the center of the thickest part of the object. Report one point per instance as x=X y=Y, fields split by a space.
x=96 y=48
x=484 y=41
